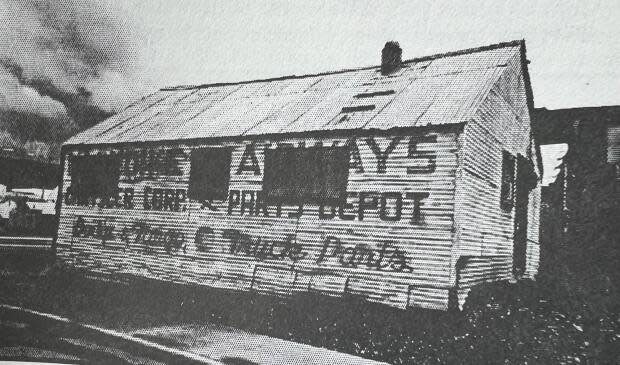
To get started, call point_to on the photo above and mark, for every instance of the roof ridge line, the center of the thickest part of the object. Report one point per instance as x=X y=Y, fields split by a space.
x=294 y=77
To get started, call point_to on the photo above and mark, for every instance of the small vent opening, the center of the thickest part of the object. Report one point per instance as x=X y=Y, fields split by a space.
x=359 y=108
x=375 y=93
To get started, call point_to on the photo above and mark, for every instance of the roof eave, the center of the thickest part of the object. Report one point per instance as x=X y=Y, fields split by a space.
x=453 y=127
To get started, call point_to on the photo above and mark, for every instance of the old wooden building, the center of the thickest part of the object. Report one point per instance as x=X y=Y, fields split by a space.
x=405 y=184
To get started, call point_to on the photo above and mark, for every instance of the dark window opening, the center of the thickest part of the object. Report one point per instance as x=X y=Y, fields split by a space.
x=210 y=174
x=508 y=181
x=306 y=175
x=94 y=178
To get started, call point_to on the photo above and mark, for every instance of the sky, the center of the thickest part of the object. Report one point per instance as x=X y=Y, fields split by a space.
x=65 y=65
x=572 y=45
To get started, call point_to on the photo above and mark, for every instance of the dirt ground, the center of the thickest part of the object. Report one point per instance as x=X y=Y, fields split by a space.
x=558 y=319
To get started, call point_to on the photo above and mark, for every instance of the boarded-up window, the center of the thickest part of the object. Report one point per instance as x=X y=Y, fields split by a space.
x=306 y=175
x=94 y=178
x=508 y=181
x=210 y=174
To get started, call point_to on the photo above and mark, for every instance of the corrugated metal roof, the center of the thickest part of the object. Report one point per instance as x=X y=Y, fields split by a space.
x=441 y=89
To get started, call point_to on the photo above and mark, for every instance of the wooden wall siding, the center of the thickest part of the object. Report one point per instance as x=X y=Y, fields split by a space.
x=429 y=297
x=484 y=231
x=504 y=114
x=131 y=241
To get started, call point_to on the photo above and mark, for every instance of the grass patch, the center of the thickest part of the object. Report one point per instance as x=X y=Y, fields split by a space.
x=561 y=318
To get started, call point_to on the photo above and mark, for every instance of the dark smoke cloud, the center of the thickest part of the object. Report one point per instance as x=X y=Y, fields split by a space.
x=64 y=66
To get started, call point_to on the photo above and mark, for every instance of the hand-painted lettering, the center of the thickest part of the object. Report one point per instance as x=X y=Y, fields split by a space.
x=356 y=159
x=208 y=204
x=262 y=249
x=367 y=201
x=117 y=198
x=202 y=238
x=99 y=229
x=249 y=162
x=346 y=206
x=384 y=212
x=387 y=206
x=138 y=165
x=150 y=237
x=164 y=199
x=385 y=257
x=247 y=202
x=233 y=200
x=261 y=205
x=327 y=215
x=138 y=234
x=382 y=156
x=413 y=153
x=298 y=213
x=416 y=215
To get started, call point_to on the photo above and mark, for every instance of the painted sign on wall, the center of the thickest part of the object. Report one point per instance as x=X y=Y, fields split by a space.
x=139 y=235
x=390 y=206
x=146 y=238
x=160 y=164
x=144 y=175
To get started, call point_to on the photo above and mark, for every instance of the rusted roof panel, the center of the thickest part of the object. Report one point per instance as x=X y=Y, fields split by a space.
x=435 y=90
